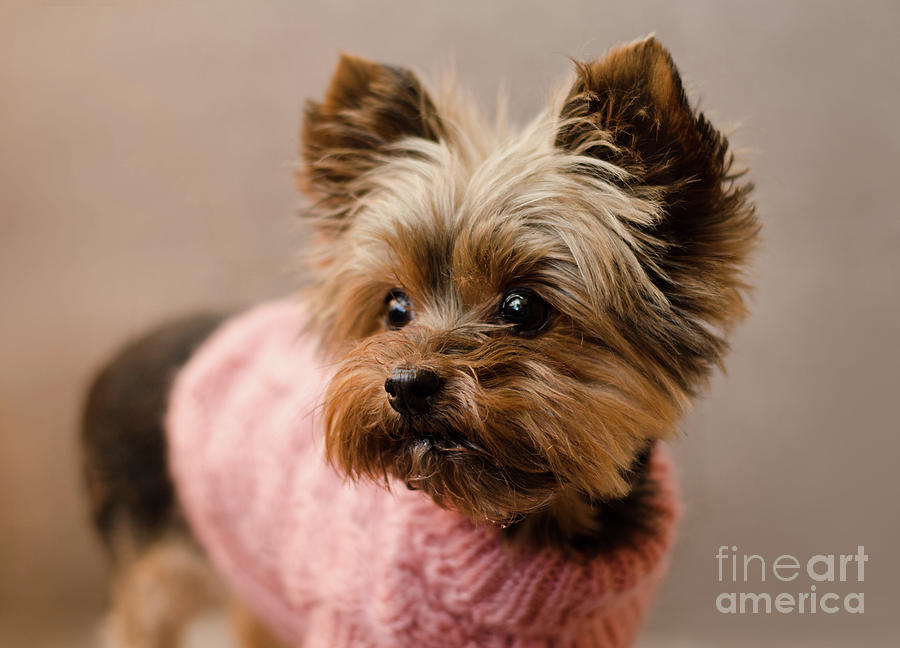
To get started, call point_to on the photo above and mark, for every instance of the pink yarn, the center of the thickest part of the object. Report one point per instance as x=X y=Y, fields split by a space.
x=332 y=563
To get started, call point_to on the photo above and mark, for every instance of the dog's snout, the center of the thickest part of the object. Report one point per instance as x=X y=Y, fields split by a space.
x=411 y=389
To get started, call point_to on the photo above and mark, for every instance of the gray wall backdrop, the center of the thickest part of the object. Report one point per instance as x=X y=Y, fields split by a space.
x=145 y=158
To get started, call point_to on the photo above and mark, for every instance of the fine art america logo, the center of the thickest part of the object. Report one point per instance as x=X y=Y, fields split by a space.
x=813 y=583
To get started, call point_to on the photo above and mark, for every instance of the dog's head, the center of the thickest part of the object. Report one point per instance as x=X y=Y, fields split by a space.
x=515 y=316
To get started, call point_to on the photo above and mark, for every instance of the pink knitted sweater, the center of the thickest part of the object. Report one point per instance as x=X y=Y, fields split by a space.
x=334 y=564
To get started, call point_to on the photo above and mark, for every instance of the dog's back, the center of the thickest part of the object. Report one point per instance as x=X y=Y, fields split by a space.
x=123 y=436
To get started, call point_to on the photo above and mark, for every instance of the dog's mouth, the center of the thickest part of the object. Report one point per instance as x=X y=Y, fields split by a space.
x=443 y=443
x=432 y=450
x=458 y=473
x=419 y=435
x=422 y=452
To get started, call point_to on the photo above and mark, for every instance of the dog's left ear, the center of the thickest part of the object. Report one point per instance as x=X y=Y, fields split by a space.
x=630 y=109
x=367 y=108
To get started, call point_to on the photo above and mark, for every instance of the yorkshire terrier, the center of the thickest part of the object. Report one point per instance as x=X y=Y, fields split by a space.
x=513 y=319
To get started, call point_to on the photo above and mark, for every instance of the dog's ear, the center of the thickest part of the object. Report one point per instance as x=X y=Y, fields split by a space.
x=367 y=107
x=630 y=109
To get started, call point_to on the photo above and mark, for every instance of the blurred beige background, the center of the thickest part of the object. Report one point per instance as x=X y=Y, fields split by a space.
x=145 y=158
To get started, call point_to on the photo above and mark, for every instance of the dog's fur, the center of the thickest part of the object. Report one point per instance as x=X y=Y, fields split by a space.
x=617 y=213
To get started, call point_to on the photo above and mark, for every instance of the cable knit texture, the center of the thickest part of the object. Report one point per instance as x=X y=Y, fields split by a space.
x=337 y=564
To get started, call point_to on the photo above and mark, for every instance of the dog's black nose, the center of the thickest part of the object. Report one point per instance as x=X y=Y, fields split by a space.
x=411 y=390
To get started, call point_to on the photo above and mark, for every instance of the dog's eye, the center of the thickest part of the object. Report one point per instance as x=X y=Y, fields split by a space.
x=399 y=309
x=525 y=310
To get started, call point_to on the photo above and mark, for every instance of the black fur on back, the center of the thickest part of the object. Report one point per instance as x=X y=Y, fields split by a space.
x=125 y=456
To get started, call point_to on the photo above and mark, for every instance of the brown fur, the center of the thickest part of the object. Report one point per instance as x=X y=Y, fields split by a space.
x=157 y=589
x=618 y=206
x=251 y=632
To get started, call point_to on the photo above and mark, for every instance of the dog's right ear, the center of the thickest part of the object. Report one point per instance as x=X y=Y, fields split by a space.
x=367 y=107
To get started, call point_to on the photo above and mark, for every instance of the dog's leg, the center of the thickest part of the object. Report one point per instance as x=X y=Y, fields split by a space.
x=157 y=592
x=251 y=633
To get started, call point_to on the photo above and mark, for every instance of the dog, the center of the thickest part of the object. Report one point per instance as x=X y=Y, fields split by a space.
x=512 y=321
